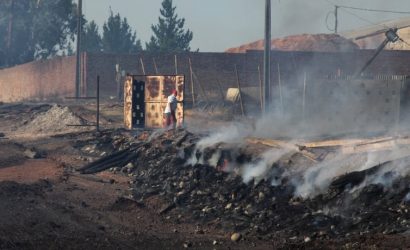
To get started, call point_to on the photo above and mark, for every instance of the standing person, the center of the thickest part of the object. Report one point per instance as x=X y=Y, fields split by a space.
x=169 y=112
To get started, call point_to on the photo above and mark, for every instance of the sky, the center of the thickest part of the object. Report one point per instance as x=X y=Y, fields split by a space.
x=220 y=24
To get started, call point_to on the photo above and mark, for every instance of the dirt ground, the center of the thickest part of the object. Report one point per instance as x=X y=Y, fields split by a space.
x=47 y=204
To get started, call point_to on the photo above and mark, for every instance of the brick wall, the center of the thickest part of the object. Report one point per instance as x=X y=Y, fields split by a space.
x=40 y=80
x=213 y=71
x=218 y=69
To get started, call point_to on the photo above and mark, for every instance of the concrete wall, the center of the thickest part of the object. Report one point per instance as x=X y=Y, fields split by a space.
x=40 y=80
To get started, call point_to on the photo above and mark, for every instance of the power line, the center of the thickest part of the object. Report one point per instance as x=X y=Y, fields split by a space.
x=367 y=9
x=374 y=10
x=401 y=40
x=344 y=8
x=327 y=21
x=364 y=19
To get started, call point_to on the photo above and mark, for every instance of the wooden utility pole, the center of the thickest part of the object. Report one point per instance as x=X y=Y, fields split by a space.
x=10 y=32
x=78 y=51
x=142 y=66
x=191 y=73
x=266 y=58
x=155 y=66
x=239 y=90
x=260 y=87
x=280 y=90
x=336 y=18
x=176 y=65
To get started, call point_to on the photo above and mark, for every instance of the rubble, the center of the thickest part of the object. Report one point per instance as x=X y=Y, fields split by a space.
x=236 y=237
x=211 y=194
x=54 y=120
x=32 y=153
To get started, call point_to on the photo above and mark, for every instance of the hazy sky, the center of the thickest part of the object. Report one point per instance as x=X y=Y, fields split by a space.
x=221 y=24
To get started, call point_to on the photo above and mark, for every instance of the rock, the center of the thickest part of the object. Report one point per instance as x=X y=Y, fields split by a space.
x=187 y=244
x=307 y=239
x=129 y=165
x=30 y=153
x=206 y=209
x=228 y=206
x=236 y=237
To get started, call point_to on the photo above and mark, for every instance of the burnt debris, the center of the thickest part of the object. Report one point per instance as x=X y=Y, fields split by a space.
x=161 y=165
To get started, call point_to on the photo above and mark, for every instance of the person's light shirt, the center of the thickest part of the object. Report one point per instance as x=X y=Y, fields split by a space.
x=171 y=105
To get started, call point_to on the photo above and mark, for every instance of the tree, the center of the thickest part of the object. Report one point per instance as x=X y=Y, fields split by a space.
x=91 y=39
x=35 y=29
x=169 y=34
x=118 y=36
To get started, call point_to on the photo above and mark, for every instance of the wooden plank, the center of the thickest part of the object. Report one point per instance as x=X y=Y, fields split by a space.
x=393 y=144
x=282 y=144
x=342 y=142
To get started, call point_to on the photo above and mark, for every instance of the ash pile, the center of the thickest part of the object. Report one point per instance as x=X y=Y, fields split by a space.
x=269 y=188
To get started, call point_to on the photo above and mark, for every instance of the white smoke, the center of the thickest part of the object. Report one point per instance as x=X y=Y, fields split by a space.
x=292 y=125
x=261 y=169
x=234 y=133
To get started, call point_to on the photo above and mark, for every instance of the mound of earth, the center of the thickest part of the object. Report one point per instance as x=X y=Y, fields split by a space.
x=55 y=120
x=304 y=42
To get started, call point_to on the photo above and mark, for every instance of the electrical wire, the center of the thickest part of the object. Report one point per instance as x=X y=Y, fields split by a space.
x=364 y=19
x=401 y=40
x=327 y=21
x=343 y=8
x=367 y=9
x=374 y=10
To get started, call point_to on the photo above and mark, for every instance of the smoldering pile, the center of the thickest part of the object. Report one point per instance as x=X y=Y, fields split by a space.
x=255 y=191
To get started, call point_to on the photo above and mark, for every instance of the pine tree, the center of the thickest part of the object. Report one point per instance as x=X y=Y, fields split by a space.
x=118 y=36
x=91 y=38
x=40 y=29
x=169 y=34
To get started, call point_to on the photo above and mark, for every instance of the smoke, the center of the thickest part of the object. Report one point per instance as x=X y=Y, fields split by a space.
x=233 y=133
x=315 y=110
x=317 y=179
x=262 y=169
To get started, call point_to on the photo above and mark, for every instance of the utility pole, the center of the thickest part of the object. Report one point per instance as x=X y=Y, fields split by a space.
x=10 y=32
x=336 y=18
x=78 y=51
x=266 y=58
